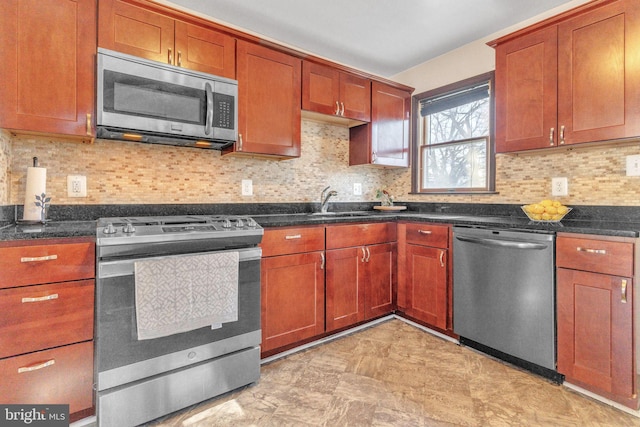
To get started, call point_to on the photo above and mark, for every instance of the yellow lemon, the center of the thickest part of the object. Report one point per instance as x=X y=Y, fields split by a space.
x=556 y=204
x=537 y=208
x=551 y=210
x=562 y=210
x=546 y=202
x=536 y=217
x=545 y=216
x=557 y=217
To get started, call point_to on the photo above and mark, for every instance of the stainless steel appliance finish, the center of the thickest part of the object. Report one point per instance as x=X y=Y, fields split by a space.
x=147 y=101
x=504 y=295
x=140 y=380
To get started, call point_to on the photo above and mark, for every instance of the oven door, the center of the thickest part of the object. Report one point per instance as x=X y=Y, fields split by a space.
x=121 y=358
x=147 y=96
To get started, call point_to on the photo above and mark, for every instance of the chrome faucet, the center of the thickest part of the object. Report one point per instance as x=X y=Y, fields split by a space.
x=324 y=198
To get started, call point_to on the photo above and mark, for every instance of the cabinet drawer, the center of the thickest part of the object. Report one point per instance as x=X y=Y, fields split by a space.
x=63 y=375
x=599 y=256
x=36 y=264
x=428 y=235
x=38 y=317
x=348 y=235
x=281 y=241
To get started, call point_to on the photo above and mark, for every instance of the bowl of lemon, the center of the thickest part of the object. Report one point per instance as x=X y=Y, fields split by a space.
x=546 y=211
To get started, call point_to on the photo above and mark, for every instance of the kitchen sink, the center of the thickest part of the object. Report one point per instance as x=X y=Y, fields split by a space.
x=339 y=214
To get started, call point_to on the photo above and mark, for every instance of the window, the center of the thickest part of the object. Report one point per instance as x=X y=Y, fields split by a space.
x=453 y=138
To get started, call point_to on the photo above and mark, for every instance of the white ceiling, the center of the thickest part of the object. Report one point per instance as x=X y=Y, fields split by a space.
x=383 y=37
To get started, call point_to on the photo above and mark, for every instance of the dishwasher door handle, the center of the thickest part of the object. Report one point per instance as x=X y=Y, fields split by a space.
x=502 y=243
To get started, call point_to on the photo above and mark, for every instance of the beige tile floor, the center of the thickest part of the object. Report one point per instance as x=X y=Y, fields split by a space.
x=394 y=374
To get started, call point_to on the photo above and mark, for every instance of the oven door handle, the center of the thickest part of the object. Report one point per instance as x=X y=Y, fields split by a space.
x=126 y=267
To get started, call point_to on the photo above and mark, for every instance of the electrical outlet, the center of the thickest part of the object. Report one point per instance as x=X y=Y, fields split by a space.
x=247 y=187
x=357 y=189
x=559 y=187
x=633 y=165
x=76 y=186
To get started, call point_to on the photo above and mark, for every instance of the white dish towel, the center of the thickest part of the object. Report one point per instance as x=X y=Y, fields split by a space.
x=182 y=293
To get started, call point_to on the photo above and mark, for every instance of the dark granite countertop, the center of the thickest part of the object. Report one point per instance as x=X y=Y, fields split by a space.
x=80 y=221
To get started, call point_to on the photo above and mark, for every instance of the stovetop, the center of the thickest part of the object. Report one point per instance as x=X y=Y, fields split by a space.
x=130 y=230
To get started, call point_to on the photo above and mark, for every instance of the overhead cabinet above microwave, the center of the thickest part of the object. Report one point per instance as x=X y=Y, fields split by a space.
x=127 y=28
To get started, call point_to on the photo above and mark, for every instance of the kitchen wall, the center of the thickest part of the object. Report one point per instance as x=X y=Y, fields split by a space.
x=5 y=156
x=129 y=173
x=596 y=174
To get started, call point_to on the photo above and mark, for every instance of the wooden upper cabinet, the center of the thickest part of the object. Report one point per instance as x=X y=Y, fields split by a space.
x=152 y=35
x=48 y=67
x=526 y=92
x=327 y=90
x=384 y=141
x=570 y=82
x=598 y=78
x=269 y=111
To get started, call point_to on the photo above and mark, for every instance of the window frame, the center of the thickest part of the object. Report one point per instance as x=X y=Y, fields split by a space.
x=417 y=166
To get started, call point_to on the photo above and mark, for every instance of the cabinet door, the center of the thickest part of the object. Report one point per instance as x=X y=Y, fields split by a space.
x=355 y=97
x=345 y=298
x=389 y=125
x=320 y=88
x=426 y=286
x=205 y=50
x=48 y=68
x=526 y=92
x=130 y=29
x=292 y=299
x=598 y=78
x=595 y=333
x=269 y=101
x=380 y=280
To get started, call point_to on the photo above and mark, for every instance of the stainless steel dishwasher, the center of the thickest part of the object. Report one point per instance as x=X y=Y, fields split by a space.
x=504 y=296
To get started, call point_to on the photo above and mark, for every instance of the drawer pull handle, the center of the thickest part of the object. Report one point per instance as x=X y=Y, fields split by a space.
x=36 y=367
x=425 y=231
x=623 y=292
x=592 y=251
x=38 y=299
x=293 y=236
x=39 y=258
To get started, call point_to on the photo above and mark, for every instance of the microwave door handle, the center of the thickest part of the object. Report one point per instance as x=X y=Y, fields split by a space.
x=209 y=117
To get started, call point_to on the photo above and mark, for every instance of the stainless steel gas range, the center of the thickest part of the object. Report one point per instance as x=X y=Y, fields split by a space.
x=139 y=380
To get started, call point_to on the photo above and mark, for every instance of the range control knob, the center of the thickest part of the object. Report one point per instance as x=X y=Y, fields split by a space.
x=251 y=222
x=239 y=223
x=226 y=224
x=129 y=228
x=109 y=229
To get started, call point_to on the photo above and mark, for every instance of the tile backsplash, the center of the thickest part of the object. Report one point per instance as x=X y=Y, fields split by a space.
x=135 y=173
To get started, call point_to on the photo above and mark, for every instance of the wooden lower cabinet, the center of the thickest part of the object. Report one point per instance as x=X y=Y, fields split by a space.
x=46 y=328
x=424 y=276
x=360 y=284
x=361 y=273
x=292 y=285
x=426 y=293
x=63 y=375
x=595 y=300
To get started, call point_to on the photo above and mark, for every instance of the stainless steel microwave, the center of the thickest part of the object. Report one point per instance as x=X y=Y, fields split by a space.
x=147 y=101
